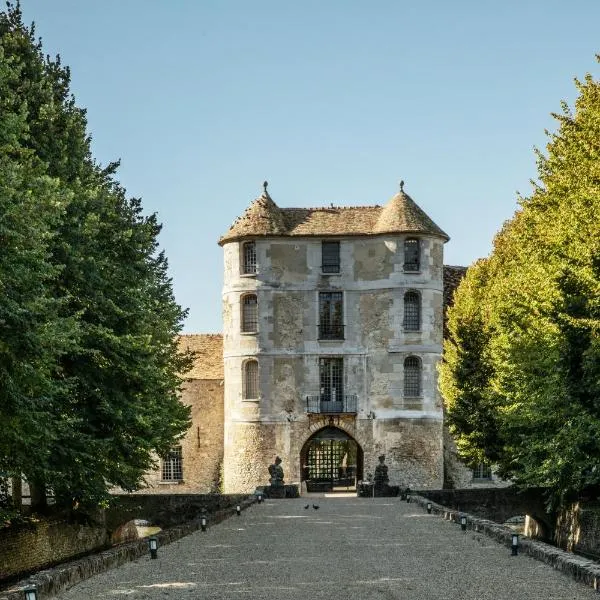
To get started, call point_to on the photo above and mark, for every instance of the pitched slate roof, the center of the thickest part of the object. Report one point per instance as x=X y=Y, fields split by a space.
x=402 y=213
x=264 y=218
x=209 y=354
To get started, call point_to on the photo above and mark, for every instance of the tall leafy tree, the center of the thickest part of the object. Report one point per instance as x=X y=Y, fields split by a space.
x=537 y=325
x=114 y=377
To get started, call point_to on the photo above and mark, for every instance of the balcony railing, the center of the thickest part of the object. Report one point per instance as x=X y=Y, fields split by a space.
x=325 y=405
x=331 y=332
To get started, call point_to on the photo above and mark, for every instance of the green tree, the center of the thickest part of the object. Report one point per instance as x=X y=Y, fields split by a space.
x=114 y=375
x=529 y=329
x=33 y=332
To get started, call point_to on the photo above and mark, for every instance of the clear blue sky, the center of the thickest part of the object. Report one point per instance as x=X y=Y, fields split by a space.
x=331 y=101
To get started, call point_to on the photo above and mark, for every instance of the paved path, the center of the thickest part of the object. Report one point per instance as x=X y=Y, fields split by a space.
x=350 y=548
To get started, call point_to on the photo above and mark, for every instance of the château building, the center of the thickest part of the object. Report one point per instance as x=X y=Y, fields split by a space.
x=333 y=322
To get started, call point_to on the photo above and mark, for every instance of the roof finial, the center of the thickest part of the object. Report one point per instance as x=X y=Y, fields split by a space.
x=265 y=185
x=402 y=185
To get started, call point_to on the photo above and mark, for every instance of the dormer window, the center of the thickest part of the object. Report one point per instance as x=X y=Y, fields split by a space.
x=330 y=257
x=249 y=258
x=412 y=255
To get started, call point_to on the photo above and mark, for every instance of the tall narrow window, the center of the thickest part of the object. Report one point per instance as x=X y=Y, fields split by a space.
x=249 y=314
x=412 y=255
x=249 y=258
x=330 y=257
x=412 y=311
x=172 y=465
x=250 y=391
x=331 y=316
x=412 y=377
x=331 y=374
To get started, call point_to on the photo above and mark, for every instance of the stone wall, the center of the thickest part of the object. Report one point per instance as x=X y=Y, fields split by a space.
x=498 y=504
x=580 y=569
x=27 y=548
x=53 y=581
x=202 y=446
x=166 y=511
x=578 y=529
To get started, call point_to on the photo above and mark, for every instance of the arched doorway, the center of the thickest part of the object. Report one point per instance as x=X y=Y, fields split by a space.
x=331 y=460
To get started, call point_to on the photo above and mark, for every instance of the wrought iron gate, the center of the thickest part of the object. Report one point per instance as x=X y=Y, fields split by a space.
x=330 y=463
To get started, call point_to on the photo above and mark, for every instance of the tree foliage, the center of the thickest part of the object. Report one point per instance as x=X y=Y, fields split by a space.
x=521 y=374
x=89 y=362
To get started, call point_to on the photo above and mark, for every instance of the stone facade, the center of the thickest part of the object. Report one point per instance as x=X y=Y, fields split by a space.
x=202 y=446
x=272 y=318
x=372 y=346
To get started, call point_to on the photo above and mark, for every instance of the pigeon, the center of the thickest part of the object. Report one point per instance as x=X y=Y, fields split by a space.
x=315 y=507
x=307 y=506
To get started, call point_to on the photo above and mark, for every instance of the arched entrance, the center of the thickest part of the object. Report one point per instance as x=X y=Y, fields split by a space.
x=331 y=460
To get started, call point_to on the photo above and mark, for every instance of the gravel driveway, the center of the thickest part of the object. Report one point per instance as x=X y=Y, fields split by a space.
x=348 y=548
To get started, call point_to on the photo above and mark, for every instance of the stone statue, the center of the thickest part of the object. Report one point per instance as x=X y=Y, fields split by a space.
x=276 y=473
x=381 y=473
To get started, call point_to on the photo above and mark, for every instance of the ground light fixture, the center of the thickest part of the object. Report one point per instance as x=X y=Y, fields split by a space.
x=30 y=593
x=429 y=508
x=260 y=498
x=153 y=545
x=203 y=523
x=463 y=523
x=515 y=544
x=407 y=498
x=238 y=510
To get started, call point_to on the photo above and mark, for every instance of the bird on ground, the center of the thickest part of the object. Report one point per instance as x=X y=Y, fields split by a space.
x=315 y=507
x=307 y=506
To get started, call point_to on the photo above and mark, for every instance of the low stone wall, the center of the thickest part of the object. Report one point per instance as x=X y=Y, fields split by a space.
x=36 y=545
x=56 y=580
x=581 y=569
x=368 y=490
x=497 y=504
x=578 y=529
x=290 y=490
x=165 y=511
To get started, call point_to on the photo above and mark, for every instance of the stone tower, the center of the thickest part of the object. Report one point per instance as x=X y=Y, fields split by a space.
x=332 y=329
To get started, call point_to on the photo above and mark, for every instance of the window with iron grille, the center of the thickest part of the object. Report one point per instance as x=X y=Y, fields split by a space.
x=330 y=257
x=172 y=465
x=482 y=471
x=331 y=375
x=249 y=314
x=412 y=377
x=331 y=315
x=412 y=311
x=412 y=255
x=249 y=259
x=250 y=380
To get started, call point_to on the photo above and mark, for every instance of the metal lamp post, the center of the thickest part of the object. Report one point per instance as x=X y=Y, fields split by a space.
x=153 y=545
x=463 y=523
x=429 y=508
x=238 y=510
x=515 y=544
x=203 y=523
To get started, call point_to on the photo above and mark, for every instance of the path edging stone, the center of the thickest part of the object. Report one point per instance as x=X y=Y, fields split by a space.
x=580 y=569
x=50 y=582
